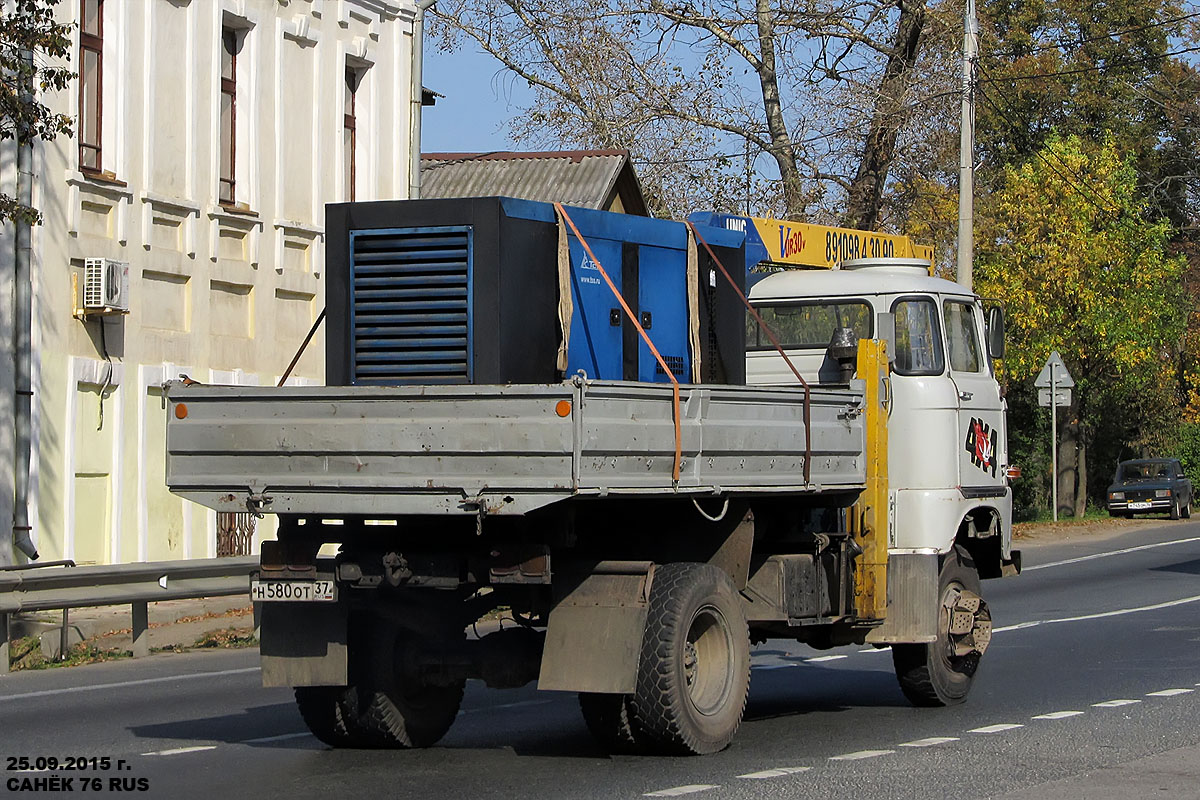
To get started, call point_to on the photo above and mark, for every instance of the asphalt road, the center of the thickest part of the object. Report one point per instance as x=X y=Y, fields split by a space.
x=1091 y=689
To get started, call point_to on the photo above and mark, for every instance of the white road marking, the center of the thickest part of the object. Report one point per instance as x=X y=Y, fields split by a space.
x=1059 y=715
x=1109 y=553
x=123 y=684
x=778 y=772
x=823 y=658
x=876 y=650
x=1170 y=692
x=1000 y=728
x=765 y=667
x=1115 y=703
x=931 y=741
x=181 y=750
x=679 y=790
x=519 y=704
x=1101 y=615
x=280 y=738
x=861 y=754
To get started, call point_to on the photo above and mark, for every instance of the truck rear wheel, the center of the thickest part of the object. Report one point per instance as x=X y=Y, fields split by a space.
x=324 y=711
x=392 y=706
x=940 y=673
x=611 y=720
x=694 y=671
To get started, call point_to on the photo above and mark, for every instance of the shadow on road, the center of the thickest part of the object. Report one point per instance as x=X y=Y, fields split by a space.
x=251 y=723
x=809 y=689
x=1188 y=567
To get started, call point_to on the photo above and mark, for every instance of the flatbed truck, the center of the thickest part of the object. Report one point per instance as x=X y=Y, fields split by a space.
x=639 y=536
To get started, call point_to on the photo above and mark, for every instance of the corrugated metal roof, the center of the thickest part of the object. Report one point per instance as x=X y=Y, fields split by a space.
x=584 y=178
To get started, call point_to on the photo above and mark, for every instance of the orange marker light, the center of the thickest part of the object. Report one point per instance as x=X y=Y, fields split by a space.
x=563 y=408
x=181 y=411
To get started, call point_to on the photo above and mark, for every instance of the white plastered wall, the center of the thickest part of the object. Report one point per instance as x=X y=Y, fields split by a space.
x=217 y=293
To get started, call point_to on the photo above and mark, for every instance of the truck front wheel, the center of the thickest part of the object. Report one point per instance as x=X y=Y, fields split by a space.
x=694 y=670
x=940 y=673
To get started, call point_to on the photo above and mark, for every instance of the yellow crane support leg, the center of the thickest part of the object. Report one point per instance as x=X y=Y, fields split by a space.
x=869 y=515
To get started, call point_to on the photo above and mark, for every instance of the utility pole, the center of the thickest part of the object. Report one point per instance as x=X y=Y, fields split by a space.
x=1054 y=438
x=966 y=150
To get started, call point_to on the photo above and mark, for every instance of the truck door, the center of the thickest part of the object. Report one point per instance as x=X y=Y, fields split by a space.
x=981 y=422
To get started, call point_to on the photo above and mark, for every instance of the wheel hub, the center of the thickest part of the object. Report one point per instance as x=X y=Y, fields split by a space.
x=968 y=622
x=689 y=663
x=707 y=661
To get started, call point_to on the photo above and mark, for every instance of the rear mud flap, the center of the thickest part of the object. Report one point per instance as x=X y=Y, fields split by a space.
x=594 y=636
x=304 y=644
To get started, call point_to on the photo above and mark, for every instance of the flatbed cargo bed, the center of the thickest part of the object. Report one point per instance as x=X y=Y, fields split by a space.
x=403 y=450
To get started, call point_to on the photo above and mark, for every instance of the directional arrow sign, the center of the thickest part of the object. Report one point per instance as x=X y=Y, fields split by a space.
x=1062 y=378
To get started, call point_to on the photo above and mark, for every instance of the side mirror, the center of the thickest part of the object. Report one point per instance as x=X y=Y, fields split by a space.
x=995 y=332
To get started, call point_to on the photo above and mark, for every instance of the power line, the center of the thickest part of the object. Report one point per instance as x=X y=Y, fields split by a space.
x=1078 y=42
x=1098 y=68
x=1038 y=153
x=816 y=138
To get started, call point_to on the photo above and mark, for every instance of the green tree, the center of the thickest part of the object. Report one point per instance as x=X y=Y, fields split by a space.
x=1083 y=270
x=1096 y=70
x=29 y=39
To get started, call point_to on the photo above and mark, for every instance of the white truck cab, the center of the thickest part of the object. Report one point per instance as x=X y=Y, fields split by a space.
x=947 y=443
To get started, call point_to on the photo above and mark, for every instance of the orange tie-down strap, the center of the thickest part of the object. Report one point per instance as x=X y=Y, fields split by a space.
x=774 y=341
x=641 y=332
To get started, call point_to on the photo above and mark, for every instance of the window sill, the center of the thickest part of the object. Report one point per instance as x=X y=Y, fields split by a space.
x=102 y=176
x=237 y=209
x=105 y=184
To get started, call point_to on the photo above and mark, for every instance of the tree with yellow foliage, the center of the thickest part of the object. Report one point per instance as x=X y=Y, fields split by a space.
x=1067 y=245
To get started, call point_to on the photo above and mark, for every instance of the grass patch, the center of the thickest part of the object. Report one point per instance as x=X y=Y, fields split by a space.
x=26 y=654
x=228 y=638
x=1091 y=514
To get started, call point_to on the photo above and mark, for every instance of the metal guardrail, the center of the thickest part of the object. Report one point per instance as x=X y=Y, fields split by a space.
x=23 y=589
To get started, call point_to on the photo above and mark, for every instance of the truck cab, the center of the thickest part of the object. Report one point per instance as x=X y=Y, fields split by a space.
x=947 y=451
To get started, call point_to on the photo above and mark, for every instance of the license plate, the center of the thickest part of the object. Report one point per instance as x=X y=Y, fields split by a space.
x=1138 y=505
x=293 y=591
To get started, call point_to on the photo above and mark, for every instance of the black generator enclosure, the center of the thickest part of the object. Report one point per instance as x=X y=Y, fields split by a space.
x=459 y=291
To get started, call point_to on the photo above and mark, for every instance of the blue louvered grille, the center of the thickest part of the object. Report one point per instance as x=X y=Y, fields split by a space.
x=411 y=305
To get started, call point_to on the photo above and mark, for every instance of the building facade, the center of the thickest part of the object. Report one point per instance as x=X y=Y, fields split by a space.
x=210 y=134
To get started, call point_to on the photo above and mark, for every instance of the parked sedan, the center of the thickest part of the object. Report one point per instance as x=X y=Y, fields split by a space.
x=1151 y=484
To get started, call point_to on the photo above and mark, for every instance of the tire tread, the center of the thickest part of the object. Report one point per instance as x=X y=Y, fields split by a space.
x=660 y=700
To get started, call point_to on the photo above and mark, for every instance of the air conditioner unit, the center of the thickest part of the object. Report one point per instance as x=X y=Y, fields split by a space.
x=105 y=284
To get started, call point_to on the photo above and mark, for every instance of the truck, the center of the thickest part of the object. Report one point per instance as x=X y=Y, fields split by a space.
x=578 y=420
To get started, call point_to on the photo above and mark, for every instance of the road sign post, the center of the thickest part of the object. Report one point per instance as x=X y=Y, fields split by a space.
x=1054 y=383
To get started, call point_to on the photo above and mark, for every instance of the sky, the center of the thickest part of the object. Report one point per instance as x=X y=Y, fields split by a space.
x=477 y=103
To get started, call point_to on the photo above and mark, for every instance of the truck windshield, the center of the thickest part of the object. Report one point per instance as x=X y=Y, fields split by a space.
x=807 y=326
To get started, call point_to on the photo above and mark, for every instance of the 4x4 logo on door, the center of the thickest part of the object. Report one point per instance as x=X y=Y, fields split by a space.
x=981 y=444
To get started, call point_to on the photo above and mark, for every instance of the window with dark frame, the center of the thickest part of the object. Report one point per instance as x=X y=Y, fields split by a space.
x=348 y=133
x=91 y=69
x=807 y=326
x=918 y=337
x=229 y=48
